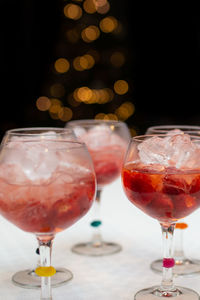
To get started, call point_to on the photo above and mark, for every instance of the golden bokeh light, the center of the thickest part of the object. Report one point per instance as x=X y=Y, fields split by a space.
x=87 y=61
x=90 y=33
x=57 y=90
x=102 y=6
x=121 y=87
x=65 y=114
x=84 y=94
x=43 y=103
x=76 y=64
x=125 y=110
x=108 y=24
x=61 y=65
x=117 y=59
x=89 y=6
x=73 y=11
x=81 y=63
x=103 y=116
x=93 y=96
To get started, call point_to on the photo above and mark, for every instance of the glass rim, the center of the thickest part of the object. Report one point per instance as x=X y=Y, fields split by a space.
x=164 y=127
x=74 y=144
x=89 y=122
x=142 y=137
x=30 y=130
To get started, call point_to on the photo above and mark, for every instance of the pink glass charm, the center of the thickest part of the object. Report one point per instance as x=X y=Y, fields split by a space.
x=168 y=262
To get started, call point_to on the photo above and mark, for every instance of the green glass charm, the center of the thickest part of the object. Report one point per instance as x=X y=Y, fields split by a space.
x=96 y=223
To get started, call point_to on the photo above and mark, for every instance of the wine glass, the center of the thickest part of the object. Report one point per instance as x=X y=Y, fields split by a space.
x=46 y=185
x=28 y=278
x=183 y=265
x=161 y=176
x=107 y=142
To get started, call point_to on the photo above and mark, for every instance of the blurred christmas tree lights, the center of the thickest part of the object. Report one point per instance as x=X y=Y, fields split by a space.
x=89 y=77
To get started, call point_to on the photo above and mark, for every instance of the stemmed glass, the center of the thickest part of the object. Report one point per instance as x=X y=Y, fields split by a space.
x=107 y=142
x=28 y=278
x=161 y=176
x=46 y=185
x=183 y=265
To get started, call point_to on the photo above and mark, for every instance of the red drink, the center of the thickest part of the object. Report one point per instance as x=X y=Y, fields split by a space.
x=167 y=195
x=50 y=206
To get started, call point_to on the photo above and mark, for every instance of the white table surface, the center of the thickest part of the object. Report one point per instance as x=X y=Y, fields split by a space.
x=114 y=277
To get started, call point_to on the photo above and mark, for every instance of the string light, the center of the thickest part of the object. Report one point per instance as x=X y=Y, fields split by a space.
x=103 y=116
x=125 y=110
x=108 y=24
x=65 y=114
x=43 y=103
x=89 y=6
x=121 y=87
x=90 y=33
x=86 y=31
x=62 y=65
x=93 y=96
x=73 y=11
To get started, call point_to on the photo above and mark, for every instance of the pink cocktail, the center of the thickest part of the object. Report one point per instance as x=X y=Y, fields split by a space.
x=107 y=142
x=45 y=207
x=47 y=183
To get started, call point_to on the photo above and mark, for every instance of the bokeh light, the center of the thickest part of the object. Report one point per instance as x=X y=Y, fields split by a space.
x=65 y=114
x=121 y=87
x=73 y=11
x=89 y=6
x=43 y=103
x=61 y=65
x=103 y=116
x=125 y=110
x=108 y=24
x=93 y=96
x=90 y=33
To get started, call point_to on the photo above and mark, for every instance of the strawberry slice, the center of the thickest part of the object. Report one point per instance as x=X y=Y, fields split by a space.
x=138 y=186
x=174 y=185
x=161 y=207
x=184 y=205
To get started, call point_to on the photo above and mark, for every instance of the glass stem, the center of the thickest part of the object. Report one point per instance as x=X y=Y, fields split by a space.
x=96 y=223
x=168 y=261
x=45 y=248
x=179 y=254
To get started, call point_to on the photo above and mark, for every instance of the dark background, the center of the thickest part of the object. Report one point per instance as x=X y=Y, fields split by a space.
x=164 y=68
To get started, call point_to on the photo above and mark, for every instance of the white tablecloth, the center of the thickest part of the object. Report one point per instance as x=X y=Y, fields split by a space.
x=114 y=277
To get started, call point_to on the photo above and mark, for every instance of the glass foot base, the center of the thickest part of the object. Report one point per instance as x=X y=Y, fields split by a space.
x=90 y=249
x=186 y=267
x=30 y=280
x=178 y=293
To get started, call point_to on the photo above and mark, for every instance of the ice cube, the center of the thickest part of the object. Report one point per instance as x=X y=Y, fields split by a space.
x=36 y=160
x=153 y=151
x=97 y=137
x=171 y=151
